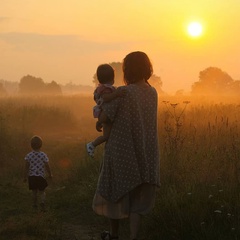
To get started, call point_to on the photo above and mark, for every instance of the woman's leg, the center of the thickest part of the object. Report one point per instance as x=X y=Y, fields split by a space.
x=135 y=221
x=114 y=226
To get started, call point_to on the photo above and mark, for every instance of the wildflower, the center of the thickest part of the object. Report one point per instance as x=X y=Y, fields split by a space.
x=221 y=190
x=210 y=196
x=178 y=124
x=218 y=211
x=168 y=129
x=189 y=193
x=229 y=214
x=174 y=104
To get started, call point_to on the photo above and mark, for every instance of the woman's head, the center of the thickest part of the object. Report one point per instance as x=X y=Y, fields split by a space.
x=105 y=74
x=136 y=67
x=36 y=142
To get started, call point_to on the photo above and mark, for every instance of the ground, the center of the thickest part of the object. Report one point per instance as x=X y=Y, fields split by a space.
x=79 y=232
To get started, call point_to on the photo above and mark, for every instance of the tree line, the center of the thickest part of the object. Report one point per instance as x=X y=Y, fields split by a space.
x=211 y=81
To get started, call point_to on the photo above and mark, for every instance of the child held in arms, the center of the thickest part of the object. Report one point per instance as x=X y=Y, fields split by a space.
x=104 y=92
x=35 y=166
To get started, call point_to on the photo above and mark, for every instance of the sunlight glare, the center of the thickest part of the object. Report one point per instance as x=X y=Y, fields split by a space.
x=194 y=29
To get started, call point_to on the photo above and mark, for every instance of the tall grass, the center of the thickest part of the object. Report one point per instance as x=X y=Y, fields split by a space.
x=199 y=144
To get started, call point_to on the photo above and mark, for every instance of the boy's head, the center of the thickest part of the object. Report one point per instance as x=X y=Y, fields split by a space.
x=36 y=142
x=105 y=74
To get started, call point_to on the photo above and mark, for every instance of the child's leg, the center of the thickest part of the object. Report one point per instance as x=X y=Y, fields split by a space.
x=34 y=197
x=105 y=136
x=101 y=139
x=42 y=199
x=42 y=196
x=106 y=130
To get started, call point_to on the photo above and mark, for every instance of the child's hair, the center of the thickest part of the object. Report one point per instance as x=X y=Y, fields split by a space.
x=36 y=142
x=105 y=73
x=136 y=67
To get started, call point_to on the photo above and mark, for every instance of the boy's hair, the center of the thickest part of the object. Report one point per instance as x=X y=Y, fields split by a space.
x=36 y=142
x=136 y=67
x=105 y=73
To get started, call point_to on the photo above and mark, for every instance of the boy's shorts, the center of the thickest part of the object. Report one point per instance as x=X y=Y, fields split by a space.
x=37 y=183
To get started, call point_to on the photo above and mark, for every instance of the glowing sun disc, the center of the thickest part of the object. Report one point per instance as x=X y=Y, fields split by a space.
x=194 y=29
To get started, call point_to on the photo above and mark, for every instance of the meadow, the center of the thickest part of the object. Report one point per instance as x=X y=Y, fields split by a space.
x=200 y=152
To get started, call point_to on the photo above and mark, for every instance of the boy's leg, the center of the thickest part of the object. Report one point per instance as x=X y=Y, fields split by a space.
x=34 y=197
x=42 y=196
x=42 y=199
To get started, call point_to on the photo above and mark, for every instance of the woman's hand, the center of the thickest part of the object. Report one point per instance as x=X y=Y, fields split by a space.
x=121 y=92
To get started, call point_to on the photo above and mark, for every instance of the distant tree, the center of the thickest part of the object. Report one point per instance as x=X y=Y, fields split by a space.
x=3 y=91
x=76 y=88
x=155 y=81
x=212 y=81
x=31 y=85
x=234 y=89
x=53 y=88
x=10 y=87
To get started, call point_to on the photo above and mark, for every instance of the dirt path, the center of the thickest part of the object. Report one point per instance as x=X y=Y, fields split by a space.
x=79 y=232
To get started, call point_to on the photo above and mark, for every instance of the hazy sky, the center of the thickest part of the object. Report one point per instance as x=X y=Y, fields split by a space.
x=65 y=40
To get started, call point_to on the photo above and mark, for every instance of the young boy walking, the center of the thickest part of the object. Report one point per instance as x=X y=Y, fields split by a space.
x=36 y=164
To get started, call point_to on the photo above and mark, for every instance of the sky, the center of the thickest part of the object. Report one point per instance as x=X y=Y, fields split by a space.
x=65 y=40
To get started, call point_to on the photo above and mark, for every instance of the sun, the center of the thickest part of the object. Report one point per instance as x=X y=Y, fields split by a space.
x=195 y=29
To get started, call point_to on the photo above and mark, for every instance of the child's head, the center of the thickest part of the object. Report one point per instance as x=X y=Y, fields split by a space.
x=36 y=143
x=105 y=74
x=136 y=67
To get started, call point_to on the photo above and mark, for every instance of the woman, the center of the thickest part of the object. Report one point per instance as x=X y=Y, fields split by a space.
x=130 y=171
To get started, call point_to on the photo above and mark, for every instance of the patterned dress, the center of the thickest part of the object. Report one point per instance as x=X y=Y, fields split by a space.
x=131 y=155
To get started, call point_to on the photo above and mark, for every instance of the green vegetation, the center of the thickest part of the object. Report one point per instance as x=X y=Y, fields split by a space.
x=200 y=152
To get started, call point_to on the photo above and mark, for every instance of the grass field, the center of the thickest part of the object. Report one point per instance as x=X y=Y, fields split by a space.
x=200 y=151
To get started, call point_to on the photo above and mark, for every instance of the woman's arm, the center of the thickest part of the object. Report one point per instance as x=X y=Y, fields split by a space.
x=109 y=96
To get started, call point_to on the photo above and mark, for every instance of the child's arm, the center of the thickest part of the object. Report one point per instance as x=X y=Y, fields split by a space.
x=48 y=169
x=109 y=96
x=26 y=171
x=101 y=119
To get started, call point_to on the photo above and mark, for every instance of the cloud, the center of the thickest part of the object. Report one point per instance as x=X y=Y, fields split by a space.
x=57 y=44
